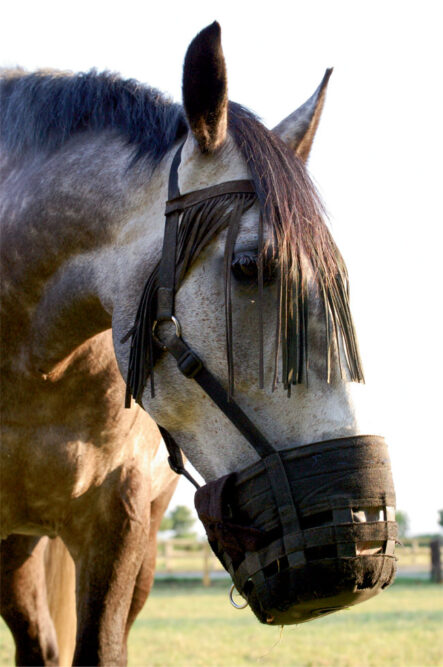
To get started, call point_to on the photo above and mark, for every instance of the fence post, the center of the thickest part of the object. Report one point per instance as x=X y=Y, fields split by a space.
x=206 y=565
x=169 y=549
x=436 y=561
x=414 y=551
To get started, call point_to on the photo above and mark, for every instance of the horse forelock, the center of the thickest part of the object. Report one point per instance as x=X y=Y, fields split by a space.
x=40 y=111
x=294 y=219
x=290 y=205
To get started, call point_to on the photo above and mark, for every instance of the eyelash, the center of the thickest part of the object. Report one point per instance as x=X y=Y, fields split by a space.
x=245 y=268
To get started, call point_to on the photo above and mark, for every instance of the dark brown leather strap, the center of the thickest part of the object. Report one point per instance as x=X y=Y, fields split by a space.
x=181 y=202
x=175 y=458
x=188 y=362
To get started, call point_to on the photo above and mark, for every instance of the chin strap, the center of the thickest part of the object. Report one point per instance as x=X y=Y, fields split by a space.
x=175 y=458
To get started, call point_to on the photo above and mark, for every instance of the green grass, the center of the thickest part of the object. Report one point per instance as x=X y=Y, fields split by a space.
x=184 y=624
x=188 y=625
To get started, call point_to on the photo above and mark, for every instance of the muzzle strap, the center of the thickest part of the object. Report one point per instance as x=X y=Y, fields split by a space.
x=287 y=511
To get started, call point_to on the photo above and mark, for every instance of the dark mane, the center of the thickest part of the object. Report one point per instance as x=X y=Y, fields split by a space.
x=293 y=216
x=42 y=110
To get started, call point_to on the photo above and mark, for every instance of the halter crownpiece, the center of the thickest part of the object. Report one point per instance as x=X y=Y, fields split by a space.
x=304 y=531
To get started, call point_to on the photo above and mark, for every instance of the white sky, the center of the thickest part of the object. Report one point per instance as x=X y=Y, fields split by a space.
x=376 y=160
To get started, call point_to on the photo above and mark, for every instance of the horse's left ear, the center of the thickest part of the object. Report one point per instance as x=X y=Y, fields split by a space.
x=298 y=129
x=205 y=89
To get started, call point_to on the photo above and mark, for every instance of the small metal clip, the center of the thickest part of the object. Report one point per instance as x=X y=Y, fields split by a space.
x=231 y=599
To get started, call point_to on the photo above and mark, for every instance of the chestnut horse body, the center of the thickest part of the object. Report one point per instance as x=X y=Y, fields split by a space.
x=85 y=164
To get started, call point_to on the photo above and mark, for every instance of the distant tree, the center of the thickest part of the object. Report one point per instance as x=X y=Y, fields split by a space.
x=166 y=523
x=180 y=520
x=440 y=518
x=402 y=523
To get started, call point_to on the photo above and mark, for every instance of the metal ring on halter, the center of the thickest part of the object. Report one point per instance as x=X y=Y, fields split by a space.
x=178 y=330
x=231 y=599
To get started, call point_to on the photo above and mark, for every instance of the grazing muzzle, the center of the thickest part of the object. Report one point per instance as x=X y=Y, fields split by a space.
x=306 y=531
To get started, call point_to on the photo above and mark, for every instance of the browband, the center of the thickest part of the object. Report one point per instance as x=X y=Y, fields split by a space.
x=182 y=202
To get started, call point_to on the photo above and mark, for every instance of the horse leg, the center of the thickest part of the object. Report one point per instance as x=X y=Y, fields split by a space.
x=23 y=601
x=60 y=586
x=145 y=576
x=108 y=547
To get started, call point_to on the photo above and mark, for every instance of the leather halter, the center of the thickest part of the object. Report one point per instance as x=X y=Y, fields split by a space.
x=188 y=361
x=192 y=366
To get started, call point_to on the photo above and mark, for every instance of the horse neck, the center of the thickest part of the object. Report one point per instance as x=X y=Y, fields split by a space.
x=61 y=215
x=72 y=202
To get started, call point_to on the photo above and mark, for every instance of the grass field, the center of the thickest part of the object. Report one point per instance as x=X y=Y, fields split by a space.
x=186 y=625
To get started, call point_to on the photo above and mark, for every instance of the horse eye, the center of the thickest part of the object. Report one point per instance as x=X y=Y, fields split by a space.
x=245 y=268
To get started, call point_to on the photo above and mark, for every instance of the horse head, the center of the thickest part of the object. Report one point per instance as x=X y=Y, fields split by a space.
x=249 y=299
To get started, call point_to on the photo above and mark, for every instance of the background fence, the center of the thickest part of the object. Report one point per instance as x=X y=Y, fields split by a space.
x=178 y=557
x=187 y=557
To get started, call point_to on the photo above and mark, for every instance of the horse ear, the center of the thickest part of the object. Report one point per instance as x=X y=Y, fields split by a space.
x=205 y=89
x=298 y=129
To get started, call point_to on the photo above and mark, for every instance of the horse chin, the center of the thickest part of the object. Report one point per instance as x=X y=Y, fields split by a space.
x=317 y=589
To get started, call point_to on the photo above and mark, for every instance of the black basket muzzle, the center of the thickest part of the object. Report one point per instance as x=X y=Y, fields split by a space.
x=307 y=531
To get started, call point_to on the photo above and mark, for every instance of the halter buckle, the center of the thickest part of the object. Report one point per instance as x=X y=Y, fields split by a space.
x=189 y=364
